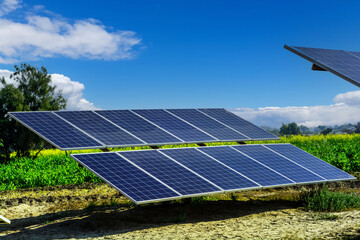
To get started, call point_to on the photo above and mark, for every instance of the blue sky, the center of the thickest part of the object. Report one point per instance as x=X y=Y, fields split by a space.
x=185 y=54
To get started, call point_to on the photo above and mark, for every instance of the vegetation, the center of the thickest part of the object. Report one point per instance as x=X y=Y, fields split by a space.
x=326 y=201
x=53 y=167
x=289 y=129
x=31 y=91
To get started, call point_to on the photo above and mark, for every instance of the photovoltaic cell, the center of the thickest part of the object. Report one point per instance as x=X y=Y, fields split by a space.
x=124 y=176
x=177 y=177
x=141 y=128
x=309 y=161
x=207 y=124
x=248 y=167
x=98 y=127
x=217 y=173
x=345 y=64
x=278 y=163
x=174 y=125
x=246 y=128
x=55 y=130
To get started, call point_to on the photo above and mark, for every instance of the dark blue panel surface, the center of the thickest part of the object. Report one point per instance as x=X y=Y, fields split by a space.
x=126 y=177
x=239 y=124
x=246 y=166
x=98 y=127
x=174 y=125
x=217 y=173
x=345 y=64
x=208 y=125
x=141 y=128
x=171 y=173
x=56 y=130
x=312 y=163
x=279 y=163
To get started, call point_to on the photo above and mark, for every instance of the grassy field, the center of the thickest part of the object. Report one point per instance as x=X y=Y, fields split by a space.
x=54 y=167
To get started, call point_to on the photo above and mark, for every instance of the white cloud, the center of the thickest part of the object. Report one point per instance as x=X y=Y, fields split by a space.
x=71 y=90
x=346 y=109
x=39 y=37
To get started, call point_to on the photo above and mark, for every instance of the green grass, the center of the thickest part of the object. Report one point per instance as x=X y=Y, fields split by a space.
x=53 y=167
x=326 y=201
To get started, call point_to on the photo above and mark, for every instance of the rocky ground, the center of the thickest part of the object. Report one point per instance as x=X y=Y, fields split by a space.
x=96 y=211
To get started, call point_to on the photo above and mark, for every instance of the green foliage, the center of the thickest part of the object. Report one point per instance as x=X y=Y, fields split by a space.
x=326 y=131
x=32 y=91
x=357 y=128
x=324 y=216
x=289 y=129
x=326 y=201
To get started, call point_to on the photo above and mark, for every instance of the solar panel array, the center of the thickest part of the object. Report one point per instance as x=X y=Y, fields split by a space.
x=69 y=130
x=345 y=64
x=158 y=175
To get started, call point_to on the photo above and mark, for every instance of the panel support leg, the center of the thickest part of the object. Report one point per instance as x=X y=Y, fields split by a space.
x=154 y=147
x=241 y=142
x=201 y=144
x=105 y=150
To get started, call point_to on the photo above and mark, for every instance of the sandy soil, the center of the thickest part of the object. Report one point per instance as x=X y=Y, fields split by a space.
x=96 y=211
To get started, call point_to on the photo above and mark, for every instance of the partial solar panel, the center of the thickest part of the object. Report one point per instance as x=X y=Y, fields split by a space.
x=55 y=130
x=174 y=125
x=209 y=125
x=164 y=174
x=237 y=123
x=100 y=128
x=309 y=161
x=345 y=64
x=126 y=177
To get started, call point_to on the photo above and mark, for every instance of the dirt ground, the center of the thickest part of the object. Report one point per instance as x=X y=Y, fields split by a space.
x=96 y=211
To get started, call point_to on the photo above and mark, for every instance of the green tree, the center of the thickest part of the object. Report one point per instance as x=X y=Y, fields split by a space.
x=289 y=129
x=357 y=128
x=326 y=131
x=32 y=91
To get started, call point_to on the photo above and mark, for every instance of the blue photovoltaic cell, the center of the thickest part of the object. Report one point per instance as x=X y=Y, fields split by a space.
x=309 y=161
x=56 y=130
x=246 y=166
x=177 y=177
x=278 y=163
x=208 y=125
x=141 y=128
x=217 y=173
x=98 y=127
x=125 y=177
x=174 y=125
x=345 y=64
x=239 y=124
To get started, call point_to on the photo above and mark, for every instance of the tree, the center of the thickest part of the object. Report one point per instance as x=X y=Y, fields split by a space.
x=326 y=131
x=357 y=128
x=289 y=129
x=32 y=91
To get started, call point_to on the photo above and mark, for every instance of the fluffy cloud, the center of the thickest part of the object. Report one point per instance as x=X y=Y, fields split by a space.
x=346 y=109
x=71 y=90
x=38 y=36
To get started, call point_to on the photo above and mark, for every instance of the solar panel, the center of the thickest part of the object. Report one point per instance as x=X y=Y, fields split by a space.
x=345 y=64
x=237 y=123
x=185 y=172
x=309 y=161
x=126 y=177
x=175 y=126
x=209 y=125
x=139 y=127
x=56 y=131
x=106 y=132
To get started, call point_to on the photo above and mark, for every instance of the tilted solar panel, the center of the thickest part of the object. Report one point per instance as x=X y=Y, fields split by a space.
x=184 y=172
x=345 y=64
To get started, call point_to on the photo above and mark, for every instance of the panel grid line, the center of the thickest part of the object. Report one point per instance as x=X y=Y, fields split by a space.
x=262 y=164
x=223 y=123
x=229 y=167
x=191 y=124
x=190 y=170
x=293 y=161
x=118 y=153
x=157 y=126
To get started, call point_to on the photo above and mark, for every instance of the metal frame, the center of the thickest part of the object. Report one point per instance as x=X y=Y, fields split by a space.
x=5 y=219
x=322 y=65
x=208 y=193
x=138 y=145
